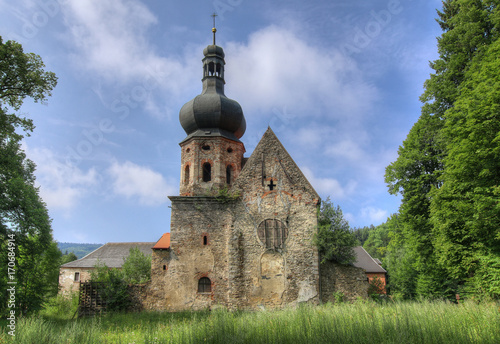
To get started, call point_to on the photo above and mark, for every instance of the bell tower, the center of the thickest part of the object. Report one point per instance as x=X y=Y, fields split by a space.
x=211 y=154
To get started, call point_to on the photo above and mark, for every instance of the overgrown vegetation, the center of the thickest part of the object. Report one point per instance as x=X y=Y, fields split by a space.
x=361 y=322
x=334 y=239
x=60 y=307
x=223 y=194
x=136 y=269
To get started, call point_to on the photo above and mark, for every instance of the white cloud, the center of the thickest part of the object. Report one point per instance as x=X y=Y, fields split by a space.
x=61 y=185
x=110 y=38
x=276 y=68
x=329 y=186
x=347 y=149
x=374 y=215
x=141 y=183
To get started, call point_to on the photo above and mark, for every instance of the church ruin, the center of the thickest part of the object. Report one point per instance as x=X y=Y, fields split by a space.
x=241 y=228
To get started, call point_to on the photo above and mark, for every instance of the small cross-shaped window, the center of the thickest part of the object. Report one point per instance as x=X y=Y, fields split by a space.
x=271 y=185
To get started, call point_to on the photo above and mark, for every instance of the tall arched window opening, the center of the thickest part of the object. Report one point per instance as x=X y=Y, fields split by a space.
x=186 y=175
x=207 y=172
x=204 y=285
x=229 y=174
x=272 y=233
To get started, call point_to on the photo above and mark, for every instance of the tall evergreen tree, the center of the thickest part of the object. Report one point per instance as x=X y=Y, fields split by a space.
x=468 y=26
x=466 y=210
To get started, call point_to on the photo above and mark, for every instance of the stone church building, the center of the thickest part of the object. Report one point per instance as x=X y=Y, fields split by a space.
x=241 y=228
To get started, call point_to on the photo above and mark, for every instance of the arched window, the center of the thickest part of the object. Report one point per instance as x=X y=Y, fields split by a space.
x=229 y=174
x=204 y=285
x=186 y=175
x=207 y=172
x=211 y=68
x=272 y=233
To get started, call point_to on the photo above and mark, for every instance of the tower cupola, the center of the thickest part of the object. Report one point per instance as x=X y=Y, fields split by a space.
x=212 y=113
x=212 y=153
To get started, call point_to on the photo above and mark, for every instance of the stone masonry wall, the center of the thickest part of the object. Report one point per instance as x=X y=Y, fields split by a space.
x=189 y=258
x=220 y=153
x=272 y=187
x=67 y=278
x=349 y=280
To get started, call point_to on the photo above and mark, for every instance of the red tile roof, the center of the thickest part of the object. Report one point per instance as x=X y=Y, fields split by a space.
x=163 y=243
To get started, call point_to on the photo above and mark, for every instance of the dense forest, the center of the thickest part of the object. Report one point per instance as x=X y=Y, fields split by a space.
x=445 y=238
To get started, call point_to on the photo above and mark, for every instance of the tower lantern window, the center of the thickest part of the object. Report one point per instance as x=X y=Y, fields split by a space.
x=207 y=172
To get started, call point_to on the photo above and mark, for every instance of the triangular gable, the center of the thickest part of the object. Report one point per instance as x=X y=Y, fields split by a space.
x=271 y=147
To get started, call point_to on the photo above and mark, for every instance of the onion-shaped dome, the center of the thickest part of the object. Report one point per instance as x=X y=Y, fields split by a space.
x=212 y=113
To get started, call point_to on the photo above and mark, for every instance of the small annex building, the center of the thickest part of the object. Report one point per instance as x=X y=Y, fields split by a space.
x=373 y=269
x=112 y=254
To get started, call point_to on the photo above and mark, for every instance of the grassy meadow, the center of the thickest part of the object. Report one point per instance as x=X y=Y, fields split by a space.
x=361 y=322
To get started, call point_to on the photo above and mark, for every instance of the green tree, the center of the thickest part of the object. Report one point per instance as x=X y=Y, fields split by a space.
x=68 y=257
x=334 y=238
x=377 y=241
x=136 y=267
x=113 y=288
x=22 y=75
x=468 y=25
x=466 y=209
x=362 y=233
x=23 y=215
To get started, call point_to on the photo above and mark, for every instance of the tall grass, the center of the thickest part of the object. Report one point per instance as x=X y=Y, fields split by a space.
x=363 y=322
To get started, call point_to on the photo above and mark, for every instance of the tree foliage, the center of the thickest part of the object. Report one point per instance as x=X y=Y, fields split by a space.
x=22 y=75
x=136 y=267
x=114 y=288
x=378 y=240
x=334 y=238
x=23 y=215
x=466 y=210
x=447 y=169
x=68 y=257
x=363 y=233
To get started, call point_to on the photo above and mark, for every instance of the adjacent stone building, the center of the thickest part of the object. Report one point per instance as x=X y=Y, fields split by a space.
x=241 y=229
x=112 y=254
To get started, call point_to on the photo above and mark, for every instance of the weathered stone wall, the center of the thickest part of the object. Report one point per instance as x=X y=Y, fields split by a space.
x=191 y=257
x=220 y=153
x=346 y=279
x=139 y=296
x=272 y=187
x=67 y=281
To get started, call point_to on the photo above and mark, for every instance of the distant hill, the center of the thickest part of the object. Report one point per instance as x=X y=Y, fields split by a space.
x=80 y=250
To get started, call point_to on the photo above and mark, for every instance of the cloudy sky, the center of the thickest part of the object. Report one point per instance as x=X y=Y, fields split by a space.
x=338 y=81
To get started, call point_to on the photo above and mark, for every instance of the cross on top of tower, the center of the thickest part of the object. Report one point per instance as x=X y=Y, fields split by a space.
x=214 y=30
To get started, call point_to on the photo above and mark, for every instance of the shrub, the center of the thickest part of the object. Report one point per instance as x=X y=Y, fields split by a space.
x=62 y=306
x=136 y=267
x=114 y=288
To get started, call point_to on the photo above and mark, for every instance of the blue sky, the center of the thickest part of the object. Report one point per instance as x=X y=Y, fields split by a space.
x=337 y=81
